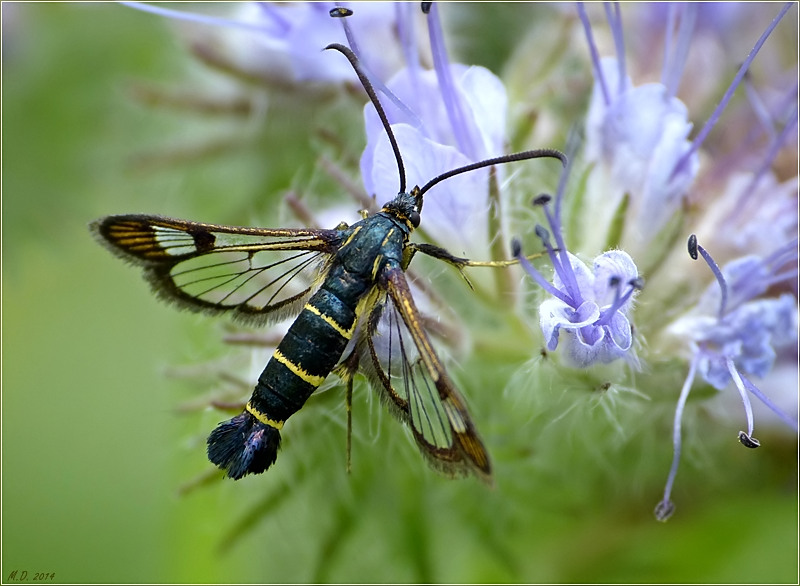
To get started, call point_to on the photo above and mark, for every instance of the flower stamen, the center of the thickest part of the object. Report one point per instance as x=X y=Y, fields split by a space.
x=450 y=94
x=598 y=71
x=701 y=136
x=760 y=109
x=342 y=14
x=694 y=248
x=674 y=64
x=560 y=259
x=615 y=24
x=766 y=400
x=516 y=252
x=201 y=18
x=666 y=507
x=620 y=298
x=746 y=439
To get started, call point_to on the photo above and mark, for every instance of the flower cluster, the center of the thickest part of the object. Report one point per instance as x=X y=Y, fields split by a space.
x=734 y=331
x=642 y=184
x=642 y=169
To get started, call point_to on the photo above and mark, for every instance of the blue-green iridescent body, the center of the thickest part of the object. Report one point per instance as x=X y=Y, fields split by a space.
x=313 y=344
x=316 y=340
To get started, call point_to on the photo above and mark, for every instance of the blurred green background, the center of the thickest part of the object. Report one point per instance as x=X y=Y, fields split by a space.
x=94 y=450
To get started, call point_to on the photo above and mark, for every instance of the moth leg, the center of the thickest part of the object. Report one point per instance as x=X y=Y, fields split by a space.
x=459 y=262
x=346 y=371
x=438 y=253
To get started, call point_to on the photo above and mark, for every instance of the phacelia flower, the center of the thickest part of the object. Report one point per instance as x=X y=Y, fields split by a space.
x=644 y=179
x=737 y=338
x=636 y=136
x=590 y=306
x=453 y=115
x=648 y=173
x=281 y=42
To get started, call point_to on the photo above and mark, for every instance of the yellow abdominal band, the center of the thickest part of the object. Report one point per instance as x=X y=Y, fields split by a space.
x=263 y=418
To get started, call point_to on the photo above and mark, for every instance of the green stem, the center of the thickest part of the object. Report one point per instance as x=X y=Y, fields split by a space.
x=504 y=283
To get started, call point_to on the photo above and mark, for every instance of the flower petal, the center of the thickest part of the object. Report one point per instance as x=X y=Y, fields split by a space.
x=612 y=264
x=455 y=210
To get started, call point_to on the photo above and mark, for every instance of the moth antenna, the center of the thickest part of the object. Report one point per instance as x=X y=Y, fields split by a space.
x=520 y=156
x=362 y=77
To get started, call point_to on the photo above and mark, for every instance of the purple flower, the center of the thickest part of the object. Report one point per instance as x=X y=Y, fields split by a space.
x=282 y=42
x=597 y=330
x=451 y=116
x=637 y=136
x=734 y=332
x=590 y=307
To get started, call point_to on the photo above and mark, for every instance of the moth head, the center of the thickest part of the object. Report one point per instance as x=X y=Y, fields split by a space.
x=407 y=207
x=417 y=207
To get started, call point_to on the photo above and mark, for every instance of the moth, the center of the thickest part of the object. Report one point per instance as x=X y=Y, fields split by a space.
x=344 y=284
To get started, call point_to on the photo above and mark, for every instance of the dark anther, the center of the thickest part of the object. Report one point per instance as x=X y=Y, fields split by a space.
x=426 y=7
x=541 y=199
x=748 y=441
x=542 y=233
x=340 y=12
x=664 y=510
x=637 y=283
x=693 y=246
x=614 y=281
x=516 y=247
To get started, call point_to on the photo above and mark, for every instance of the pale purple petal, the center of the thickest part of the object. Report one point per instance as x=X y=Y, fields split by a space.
x=555 y=315
x=616 y=264
x=639 y=137
x=454 y=211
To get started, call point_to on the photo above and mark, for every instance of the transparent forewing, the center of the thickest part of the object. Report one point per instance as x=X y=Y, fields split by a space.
x=401 y=362
x=256 y=274
x=250 y=281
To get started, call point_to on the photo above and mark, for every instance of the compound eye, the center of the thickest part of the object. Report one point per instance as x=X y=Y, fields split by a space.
x=413 y=217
